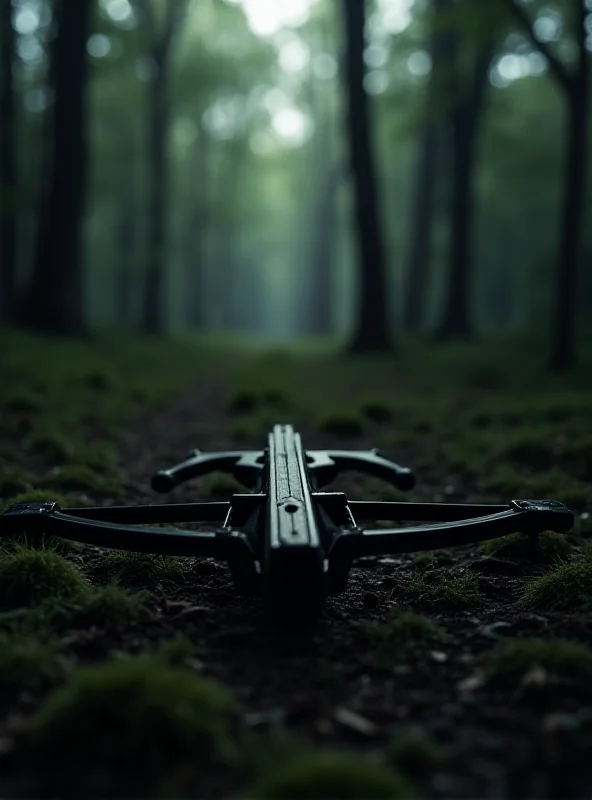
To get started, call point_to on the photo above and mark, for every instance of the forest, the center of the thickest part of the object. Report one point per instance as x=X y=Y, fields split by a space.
x=366 y=219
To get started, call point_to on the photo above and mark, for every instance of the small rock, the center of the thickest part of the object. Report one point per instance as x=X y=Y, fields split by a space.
x=258 y=719
x=472 y=683
x=355 y=722
x=491 y=631
x=438 y=656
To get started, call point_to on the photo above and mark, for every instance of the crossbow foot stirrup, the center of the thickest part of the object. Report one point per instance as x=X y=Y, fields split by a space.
x=285 y=539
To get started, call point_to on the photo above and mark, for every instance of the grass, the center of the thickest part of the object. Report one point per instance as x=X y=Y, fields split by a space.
x=28 y=577
x=342 y=423
x=219 y=487
x=402 y=639
x=566 y=589
x=551 y=547
x=105 y=607
x=126 y=727
x=445 y=589
x=332 y=776
x=513 y=658
x=141 y=570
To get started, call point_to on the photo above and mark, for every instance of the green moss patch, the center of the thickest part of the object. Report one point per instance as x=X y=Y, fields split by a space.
x=28 y=577
x=447 y=589
x=331 y=777
x=342 y=423
x=126 y=728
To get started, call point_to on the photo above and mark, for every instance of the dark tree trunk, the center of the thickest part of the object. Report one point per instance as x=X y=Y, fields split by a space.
x=154 y=321
x=323 y=253
x=55 y=301
x=8 y=178
x=196 y=232
x=154 y=317
x=126 y=248
x=424 y=204
x=371 y=324
x=563 y=346
x=464 y=123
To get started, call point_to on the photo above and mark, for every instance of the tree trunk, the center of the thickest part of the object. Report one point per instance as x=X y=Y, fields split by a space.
x=371 y=325
x=55 y=301
x=563 y=347
x=424 y=205
x=8 y=178
x=155 y=306
x=465 y=120
x=196 y=232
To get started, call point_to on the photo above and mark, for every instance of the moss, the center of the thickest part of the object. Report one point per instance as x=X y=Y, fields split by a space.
x=402 y=638
x=142 y=570
x=28 y=664
x=342 y=423
x=28 y=577
x=512 y=658
x=554 y=484
x=23 y=403
x=177 y=651
x=331 y=775
x=126 y=727
x=377 y=411
x=415 y=753
x=551 y=547
x=568 y=588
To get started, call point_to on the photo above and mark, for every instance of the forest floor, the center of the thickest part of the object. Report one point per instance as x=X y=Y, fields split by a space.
x=462 y=673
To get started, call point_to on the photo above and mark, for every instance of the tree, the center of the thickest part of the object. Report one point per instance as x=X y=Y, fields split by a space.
x=424 y=201
x=161 y=41
x=467 y=98
x=575 y=86
x=371 y=324
x=8 y=180
x=55 y=300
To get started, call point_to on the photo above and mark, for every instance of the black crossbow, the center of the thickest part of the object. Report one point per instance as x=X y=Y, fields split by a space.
x=285 y=539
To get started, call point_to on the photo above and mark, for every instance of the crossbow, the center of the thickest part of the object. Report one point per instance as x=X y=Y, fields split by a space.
x=285 y=539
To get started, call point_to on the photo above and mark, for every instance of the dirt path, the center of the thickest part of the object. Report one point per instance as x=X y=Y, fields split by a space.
x=323 y=686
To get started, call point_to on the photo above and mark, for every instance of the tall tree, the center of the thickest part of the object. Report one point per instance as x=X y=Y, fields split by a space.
x=161 y=41
x=8 y=180
x=468 y=94
x=426 y=170
x=575 y=85
x=371 y=318
x=55 y=300
x=196 y=228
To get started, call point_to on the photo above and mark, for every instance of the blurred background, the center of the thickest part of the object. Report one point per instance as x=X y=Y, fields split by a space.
x=287 y=169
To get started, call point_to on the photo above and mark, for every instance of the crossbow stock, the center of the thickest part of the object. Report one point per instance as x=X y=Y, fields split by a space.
x=286 y=539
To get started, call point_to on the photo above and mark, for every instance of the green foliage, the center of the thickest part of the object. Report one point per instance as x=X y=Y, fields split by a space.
x=243 y=402
x=568 y=588
x=403 y=638
x=105 y=607
x=126 y=727
x=78 y=477
x=551 y=547
x=513 y=658
x=332 y=777
x=28 y=577
x=27 y=663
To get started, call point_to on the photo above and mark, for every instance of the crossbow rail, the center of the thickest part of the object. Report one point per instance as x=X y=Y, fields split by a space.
x=286 y=539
